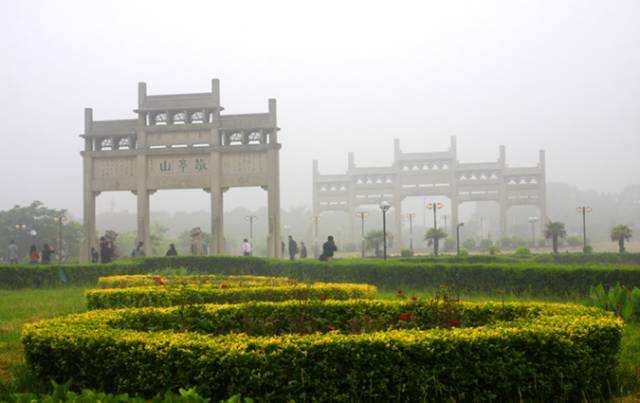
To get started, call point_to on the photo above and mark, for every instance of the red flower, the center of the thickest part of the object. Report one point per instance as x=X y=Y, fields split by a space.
x=414 y=298
x=158 y=280
x=331 y=328
x=454 y=323
x=223 y=285
x=400 y=293
x=405 y=316
x=323 y=298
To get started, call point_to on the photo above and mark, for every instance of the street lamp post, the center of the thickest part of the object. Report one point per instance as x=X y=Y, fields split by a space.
x=435 y=206
x=60 y=219
x=458 y=237
x=533 y=221
x=384 y=206
x=363 y=215
x=316 y=221
x=584 y=210
x=251 y=219
x=410 y=217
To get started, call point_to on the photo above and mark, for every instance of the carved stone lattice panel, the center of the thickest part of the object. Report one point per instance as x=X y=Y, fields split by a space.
x=197 y=117
x=108 y=168
x=196 y=165
x=179 y=138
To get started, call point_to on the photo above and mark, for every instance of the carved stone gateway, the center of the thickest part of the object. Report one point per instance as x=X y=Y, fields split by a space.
x=431 y=174
x=181 y=142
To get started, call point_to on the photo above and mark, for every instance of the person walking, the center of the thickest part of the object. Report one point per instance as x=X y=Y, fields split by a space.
x=245 y=247
x=34 y=256
x=328 y=249
x=95 y=256
x=47 y=251
x=12 y=252
x=138 y=251
x=303 y=250
x=293 y=248
x=106 y=250
x=172 y=250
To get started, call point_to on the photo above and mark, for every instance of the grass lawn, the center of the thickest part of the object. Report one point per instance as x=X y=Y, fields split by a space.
x=18 y=307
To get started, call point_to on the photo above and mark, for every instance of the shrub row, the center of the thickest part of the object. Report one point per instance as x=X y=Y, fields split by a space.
x=562 y=258
x=514 y=352
x=510 y=277
x=169 y=296
x=223 y=281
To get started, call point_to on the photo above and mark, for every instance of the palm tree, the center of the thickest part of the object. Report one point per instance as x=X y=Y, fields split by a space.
x=373 y=240
x=433 y=236
x=553 y=231
x=620 y=233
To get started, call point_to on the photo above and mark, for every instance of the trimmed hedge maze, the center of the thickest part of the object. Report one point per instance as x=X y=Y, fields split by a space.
x=365 y=350
x=202 y=294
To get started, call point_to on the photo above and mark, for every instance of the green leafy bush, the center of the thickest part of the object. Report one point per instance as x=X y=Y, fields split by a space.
x=406 y=252
x=620 y=300
x=168 y=296
x=522 y=251
x=333 y=351
x=62 y=393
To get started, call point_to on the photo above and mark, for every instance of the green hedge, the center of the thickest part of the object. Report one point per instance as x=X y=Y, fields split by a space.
x=169 y=296
x=511 y=277
x=500 y=352
x=218 y=280
x=562 y=258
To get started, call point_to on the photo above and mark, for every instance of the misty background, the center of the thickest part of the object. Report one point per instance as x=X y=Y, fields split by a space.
x=348 y=76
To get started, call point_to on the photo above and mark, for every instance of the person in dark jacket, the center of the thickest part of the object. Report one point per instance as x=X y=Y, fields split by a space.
x=293 y=248
x=47 y=251
x=328 y=249
x=106 y=250
x=303 y=250
x=172 y=250
x=95 y=256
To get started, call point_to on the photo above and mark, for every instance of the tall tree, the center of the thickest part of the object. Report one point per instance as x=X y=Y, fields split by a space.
x=433 y=237
x=620 y=233
x=554 y=231
x=36 y=224
x=373 y=240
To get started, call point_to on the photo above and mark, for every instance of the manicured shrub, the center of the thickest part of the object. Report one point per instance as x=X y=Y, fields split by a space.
x=406 y=252
x=143 y=280
x=333 y=351
x=522 y=251
x=540 y=274
x=169 y=296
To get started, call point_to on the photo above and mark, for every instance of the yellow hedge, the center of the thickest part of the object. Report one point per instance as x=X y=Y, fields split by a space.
x=168 y=296
x=335 y=351
x=223 y=281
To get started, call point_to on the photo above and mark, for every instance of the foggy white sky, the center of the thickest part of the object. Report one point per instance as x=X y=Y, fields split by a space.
x=559 y=75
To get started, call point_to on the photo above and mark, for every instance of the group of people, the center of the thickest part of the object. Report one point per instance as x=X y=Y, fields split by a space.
x=328 y=249
x=107 y=251
x=35 y=256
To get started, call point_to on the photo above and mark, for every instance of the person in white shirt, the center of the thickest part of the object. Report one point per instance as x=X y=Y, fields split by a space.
x=246 y=248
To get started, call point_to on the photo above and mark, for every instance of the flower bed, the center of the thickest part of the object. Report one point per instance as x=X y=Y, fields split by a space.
x=335 y=350
x=169 y=296
x=219 y=280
